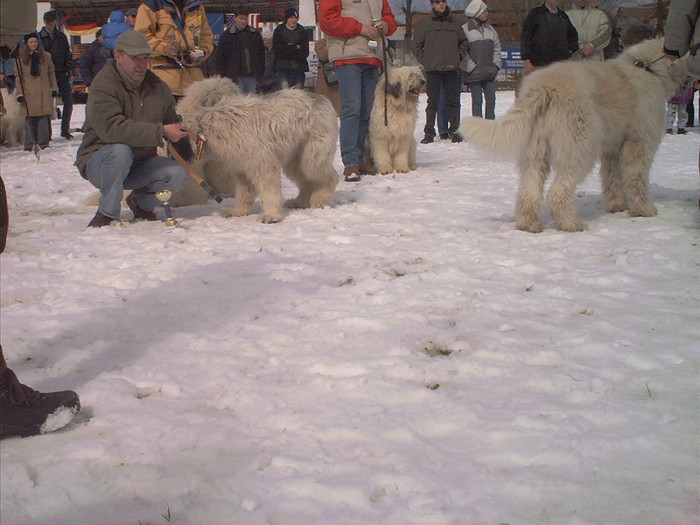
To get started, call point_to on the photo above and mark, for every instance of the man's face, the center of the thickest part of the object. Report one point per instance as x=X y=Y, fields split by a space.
x=292 y=21
x=50 y=25
x=581 y=3
x=133 y=66
x=131 y=20
x=241 y=21
x=439 y=5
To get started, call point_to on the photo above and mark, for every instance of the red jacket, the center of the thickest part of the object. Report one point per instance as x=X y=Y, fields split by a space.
x=334 y=24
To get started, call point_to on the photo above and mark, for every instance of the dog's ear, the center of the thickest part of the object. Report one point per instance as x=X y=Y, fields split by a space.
x=394 y=89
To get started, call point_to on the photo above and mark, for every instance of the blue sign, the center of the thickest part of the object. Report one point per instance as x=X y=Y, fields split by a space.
x=510 y=58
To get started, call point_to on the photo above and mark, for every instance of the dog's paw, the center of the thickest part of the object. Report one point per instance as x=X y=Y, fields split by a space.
x=234 y=212
x=269 y=218
x=296 y=203
x=529 y=226
x=572 y=225
x=642 y=210
x=402 y=169
x=615 y=207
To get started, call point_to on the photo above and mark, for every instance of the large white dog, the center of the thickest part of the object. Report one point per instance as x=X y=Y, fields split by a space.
x=392 y=145
x=255 y=137
x=12 y=122
x=571 y=114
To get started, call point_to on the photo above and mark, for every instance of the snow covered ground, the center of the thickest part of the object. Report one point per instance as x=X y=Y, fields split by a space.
x=402 y=356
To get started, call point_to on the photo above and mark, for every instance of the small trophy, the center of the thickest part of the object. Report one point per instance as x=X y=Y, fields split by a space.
x=164 y=197
x=196 y=29
x=376 y=22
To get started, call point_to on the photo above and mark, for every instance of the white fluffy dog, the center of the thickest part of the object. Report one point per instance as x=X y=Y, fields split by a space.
x=392 y=146
x=255 y=137
x=12 y=122
x=571 y=114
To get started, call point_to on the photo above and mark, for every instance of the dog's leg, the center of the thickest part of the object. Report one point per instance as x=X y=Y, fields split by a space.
x=245 y=197
x=611 y=179
x=412 y=154
x=560 y=200
x=635 y=160
x=533 y=174
x=269 y=179
x=381 y=155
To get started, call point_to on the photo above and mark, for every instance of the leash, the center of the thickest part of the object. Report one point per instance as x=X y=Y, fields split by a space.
x=385 y=64
x=647 y=67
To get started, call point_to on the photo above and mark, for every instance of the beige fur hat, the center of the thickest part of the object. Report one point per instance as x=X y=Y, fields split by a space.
x=475 y=9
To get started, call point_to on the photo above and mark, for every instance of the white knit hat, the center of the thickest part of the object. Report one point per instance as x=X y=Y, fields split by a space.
x=475 y=9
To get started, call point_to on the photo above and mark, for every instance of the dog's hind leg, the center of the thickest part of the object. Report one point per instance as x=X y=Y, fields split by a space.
x=635 y=161
x=534 y=170
x=294 y=173
x=560 y=199
x=611 y=179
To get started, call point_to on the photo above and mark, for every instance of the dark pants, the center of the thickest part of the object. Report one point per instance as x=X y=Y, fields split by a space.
x=450 y=82
x=66 y=91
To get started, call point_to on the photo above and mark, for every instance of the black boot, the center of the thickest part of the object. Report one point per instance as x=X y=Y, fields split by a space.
x=139 y=213
x=26 y=412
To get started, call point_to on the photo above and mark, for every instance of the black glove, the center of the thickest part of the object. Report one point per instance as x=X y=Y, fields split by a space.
x=54 y=94
x=20 y=98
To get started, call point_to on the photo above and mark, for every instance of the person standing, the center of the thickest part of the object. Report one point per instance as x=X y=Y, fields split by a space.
x=56 y=43
x=94 y=59
x=36 y=89
x=179 y=33
x=483 y=60
x=290 y=44
x=440 y=44
x=268 y=82
x=131 y=16
x=548 y=36
x=115 y=27
x=355 y=36
x=593 y=29
x=241 y=53
x=128 y=114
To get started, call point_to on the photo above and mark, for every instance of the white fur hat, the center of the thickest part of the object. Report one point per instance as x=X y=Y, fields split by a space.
x=475 y=9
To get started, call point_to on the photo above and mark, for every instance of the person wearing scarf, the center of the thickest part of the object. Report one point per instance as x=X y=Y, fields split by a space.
x=36 y=89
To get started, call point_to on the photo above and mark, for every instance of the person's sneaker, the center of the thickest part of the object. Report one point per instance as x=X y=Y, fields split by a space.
x=444 y=136
x=67 y=135
x=351 y=174
x=681 y=131
x=456 y=136
x=669 y=131
x=427 y=140
x=100 y=220
x=42 y=414
x=139 y=213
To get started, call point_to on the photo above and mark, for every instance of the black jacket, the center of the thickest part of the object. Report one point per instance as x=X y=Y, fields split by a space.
x=284 y=45
x=547 y=37
x=240 y=53
x=56 y=43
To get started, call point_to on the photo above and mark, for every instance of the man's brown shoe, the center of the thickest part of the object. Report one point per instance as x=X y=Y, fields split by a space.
x=100 y=220
x=352 y=174
x=139 y=214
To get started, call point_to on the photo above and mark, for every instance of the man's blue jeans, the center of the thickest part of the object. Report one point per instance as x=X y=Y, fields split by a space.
x=290 y=78
x=357 y=83
x=247 y=85
x=488 y=87
x=112 y=170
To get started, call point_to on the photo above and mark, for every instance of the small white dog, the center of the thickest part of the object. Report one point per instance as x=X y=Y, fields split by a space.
x=12 y=122
x=391 y=141
x=570 y=115
x=255 y=137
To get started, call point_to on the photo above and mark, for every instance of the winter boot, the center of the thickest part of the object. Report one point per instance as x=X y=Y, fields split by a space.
x=26 y=412
x=139 y=213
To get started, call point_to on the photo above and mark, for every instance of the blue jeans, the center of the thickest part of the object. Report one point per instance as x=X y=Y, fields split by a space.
x=290 y=78
x=357 y=83
x=247 y=84
x=112 y=170
x=488 y=87
x=65 y=89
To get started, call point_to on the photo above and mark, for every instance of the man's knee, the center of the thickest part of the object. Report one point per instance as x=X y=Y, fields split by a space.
x=178 y=177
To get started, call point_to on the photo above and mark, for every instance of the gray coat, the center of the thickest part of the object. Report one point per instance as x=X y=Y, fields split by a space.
x=683 y=31
x=439 y=43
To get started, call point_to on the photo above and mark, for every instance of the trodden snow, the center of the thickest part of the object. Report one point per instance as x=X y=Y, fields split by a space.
x=401 y=356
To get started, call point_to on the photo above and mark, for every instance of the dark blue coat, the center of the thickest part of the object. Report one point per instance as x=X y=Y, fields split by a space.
x=547 y=37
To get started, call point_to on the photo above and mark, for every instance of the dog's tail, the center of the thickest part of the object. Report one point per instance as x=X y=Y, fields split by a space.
x=508 y=135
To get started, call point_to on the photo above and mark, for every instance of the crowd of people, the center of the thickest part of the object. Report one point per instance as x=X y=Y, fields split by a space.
x=139 y=65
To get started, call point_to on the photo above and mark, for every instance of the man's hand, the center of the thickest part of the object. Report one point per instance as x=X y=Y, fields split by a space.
x=370 y=31
x=587 y=49
x=175 y=132
x=170 y=50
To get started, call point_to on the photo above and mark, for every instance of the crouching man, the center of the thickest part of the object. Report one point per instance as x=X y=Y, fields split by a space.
x=128 y=114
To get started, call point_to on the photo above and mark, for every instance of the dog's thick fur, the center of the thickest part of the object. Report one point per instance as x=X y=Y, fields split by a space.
x=12 y=122
x=255 y=137
x=392 y=146
x=571 y=114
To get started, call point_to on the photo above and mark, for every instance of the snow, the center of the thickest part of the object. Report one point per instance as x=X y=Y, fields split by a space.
x=402 y=356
